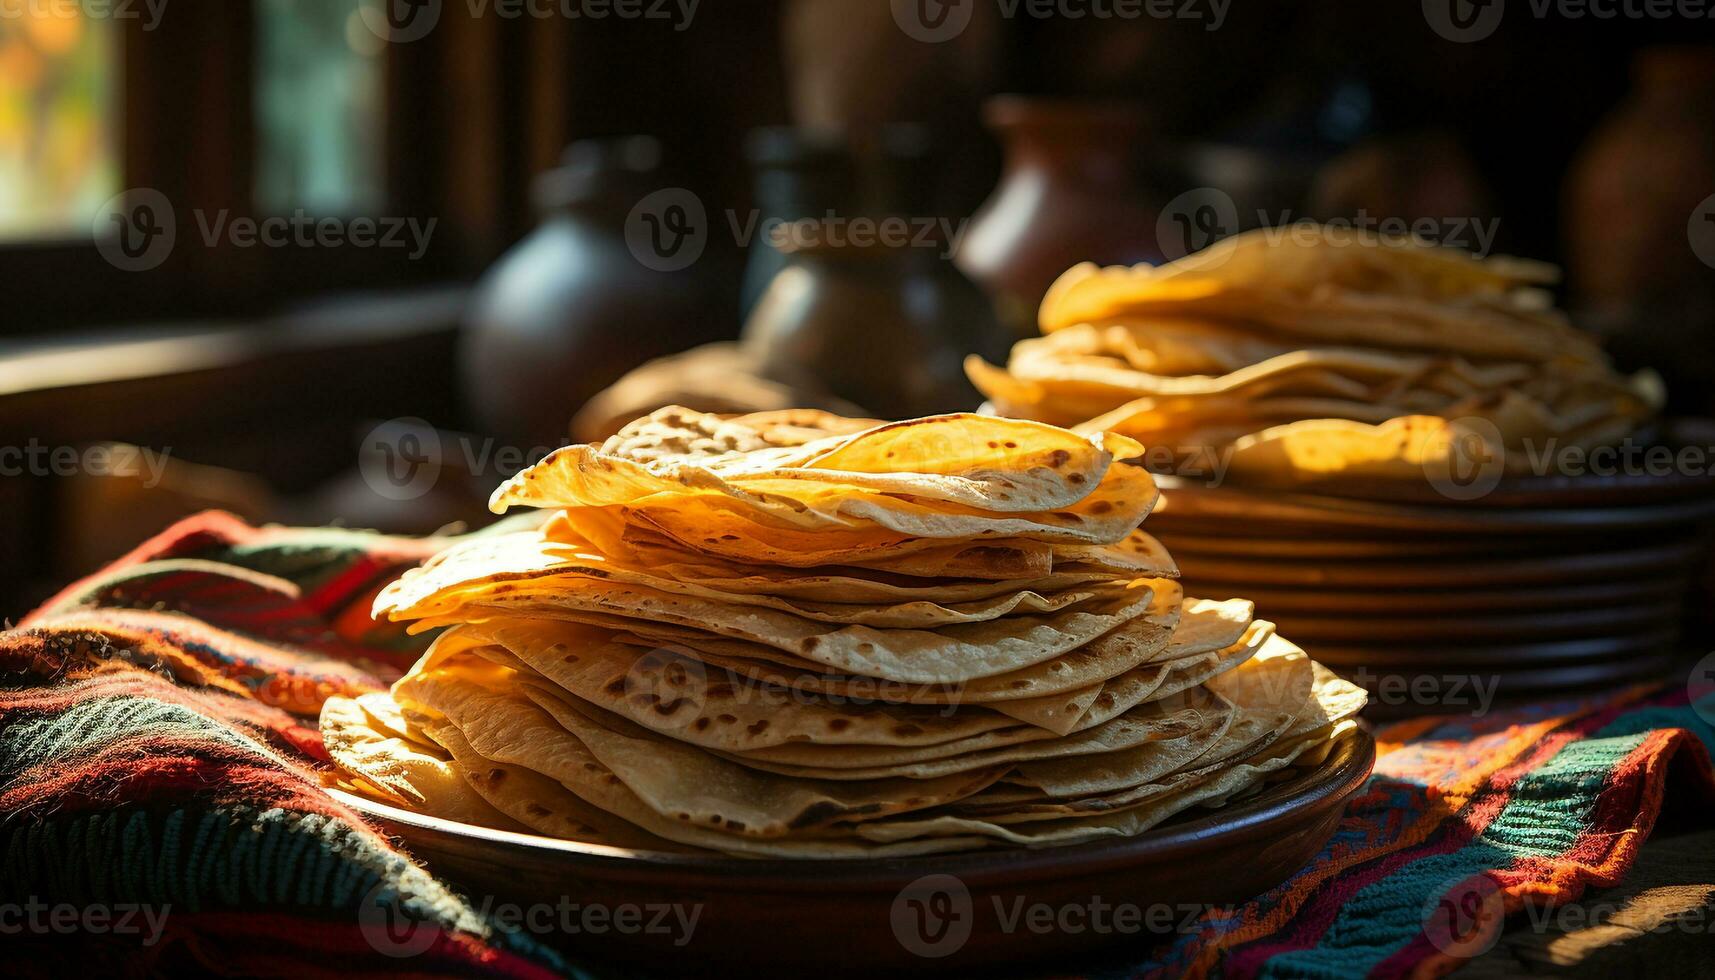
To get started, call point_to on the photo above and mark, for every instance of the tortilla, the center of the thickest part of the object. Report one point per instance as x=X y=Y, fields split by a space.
x=970 y=461
x=1147 y=723
x=1198 y=648
x=698 y=799
x=681 y=697
x=386 y=762
x=1147 y=807
x=949 y=654
x=1141 y=640
x=525 y=563
x=537 y=802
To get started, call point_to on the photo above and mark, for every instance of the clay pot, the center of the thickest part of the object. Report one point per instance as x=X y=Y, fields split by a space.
x=1637 y=181
x=798 y=173
x=1639 y=243
x=883 y=324
x=1071 y=192
x=573 y=307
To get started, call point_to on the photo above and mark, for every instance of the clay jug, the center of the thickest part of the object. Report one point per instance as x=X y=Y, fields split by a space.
x=1071 y=191
x=798 y=173
x=575 y=305
x=882 y=323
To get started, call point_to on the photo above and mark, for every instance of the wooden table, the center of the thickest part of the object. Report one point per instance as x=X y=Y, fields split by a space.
x=1658 y=922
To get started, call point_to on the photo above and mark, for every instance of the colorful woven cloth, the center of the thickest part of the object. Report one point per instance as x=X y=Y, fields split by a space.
x=159 y=808
x=158 y=764
x=1464 y=821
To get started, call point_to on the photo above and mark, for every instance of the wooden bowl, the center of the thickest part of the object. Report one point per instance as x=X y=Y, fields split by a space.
x=928 y=913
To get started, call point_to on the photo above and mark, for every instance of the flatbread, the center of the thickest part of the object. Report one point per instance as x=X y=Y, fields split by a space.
x=1156 y=721
x=680 y=697
x=492 y=705
x=388 y=763
x=950 y=654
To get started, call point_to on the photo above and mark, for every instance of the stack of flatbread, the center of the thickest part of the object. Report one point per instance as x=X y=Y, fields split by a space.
x=1311 y=351
x=796 y=634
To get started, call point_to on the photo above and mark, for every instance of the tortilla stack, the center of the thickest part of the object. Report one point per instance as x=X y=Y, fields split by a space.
x=801 y=635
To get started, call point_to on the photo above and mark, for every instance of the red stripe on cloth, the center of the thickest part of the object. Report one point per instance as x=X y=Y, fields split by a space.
x=266 y=723
x=332 y=596
x=138 y=766
x=210 y=525
x=201 y=654
x=217 y=528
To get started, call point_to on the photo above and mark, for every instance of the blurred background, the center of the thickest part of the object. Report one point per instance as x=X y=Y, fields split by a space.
x=354 y=261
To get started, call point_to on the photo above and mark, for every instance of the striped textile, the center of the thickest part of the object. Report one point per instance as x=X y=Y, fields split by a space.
x=158 y=752
x=1464 y=821
x=157 y=757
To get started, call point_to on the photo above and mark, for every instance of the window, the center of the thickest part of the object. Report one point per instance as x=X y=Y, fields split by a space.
x=318 y=108
x=59 y=126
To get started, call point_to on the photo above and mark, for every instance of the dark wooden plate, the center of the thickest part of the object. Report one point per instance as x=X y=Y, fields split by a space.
x=1476 y=571
x=1546 y=584
x=1379 y=605
x=1463 y=626
x=1391 y=692
x=1234 y=546
x=862 y=916
x=1189 y=506
x=1618 y=651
